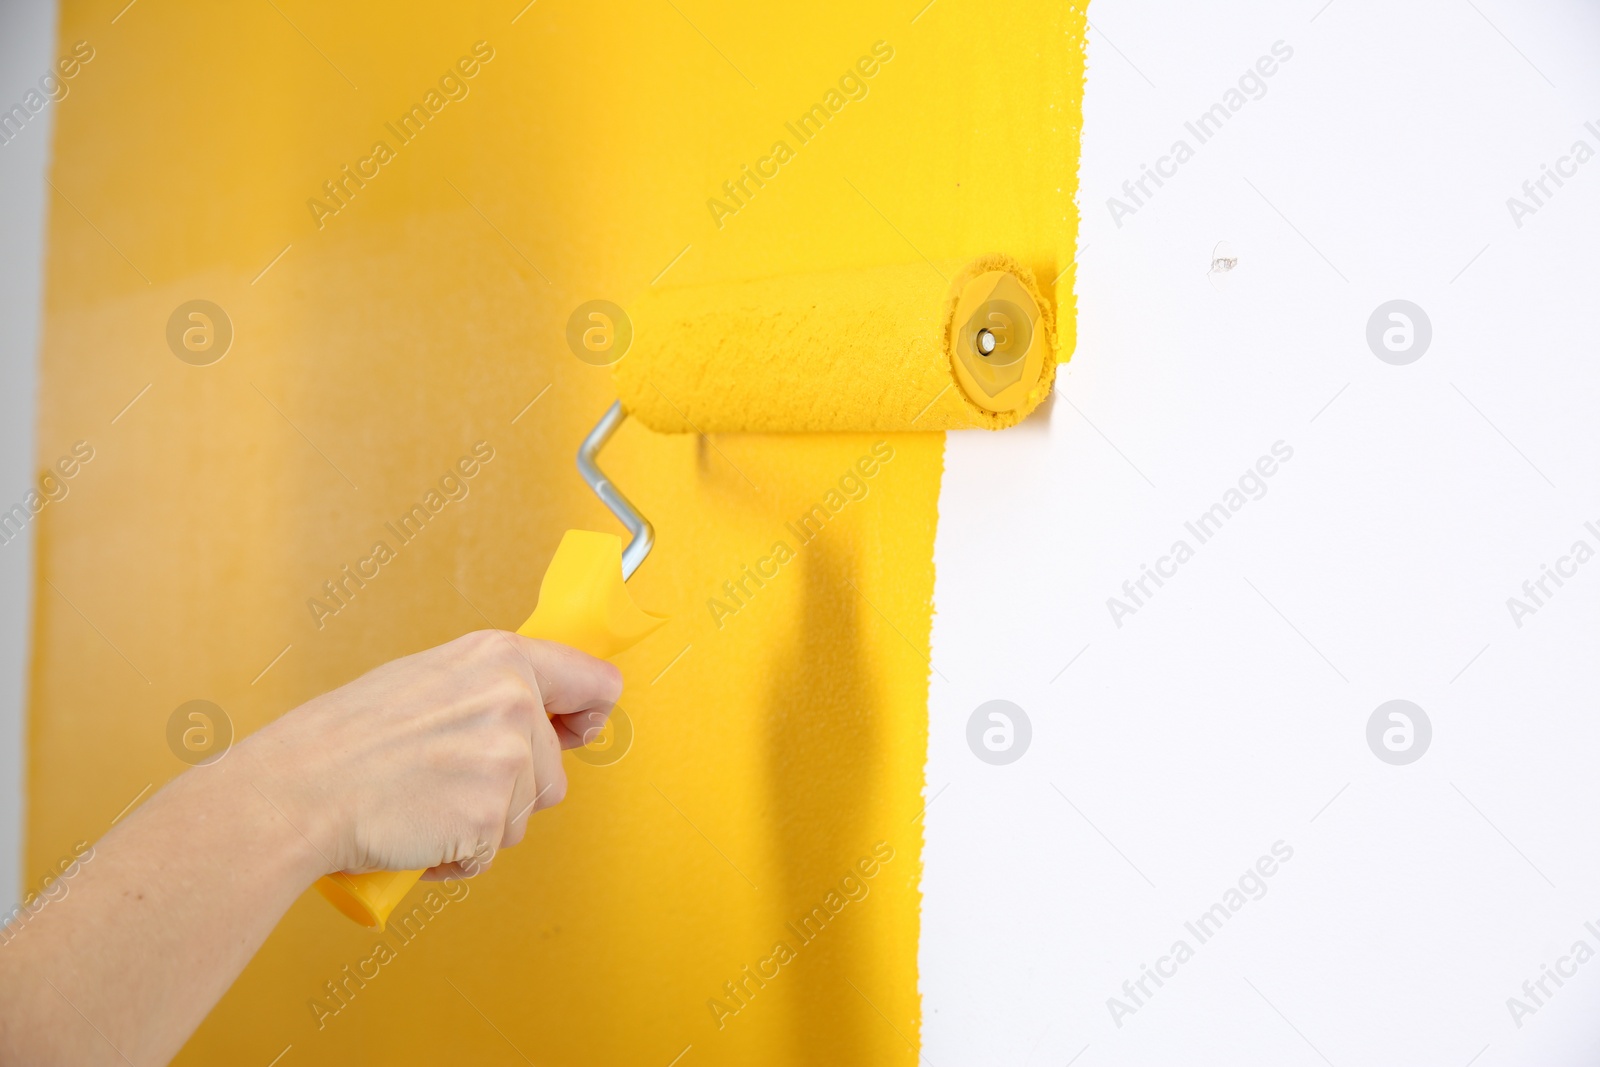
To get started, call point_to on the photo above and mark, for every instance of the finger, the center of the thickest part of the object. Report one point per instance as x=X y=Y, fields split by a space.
x=545 y=787
x=580 y=728
x=453 y=870
x=568 y=681
x=480 y=860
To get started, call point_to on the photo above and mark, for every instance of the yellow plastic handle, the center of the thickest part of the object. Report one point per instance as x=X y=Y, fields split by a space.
x=583 y=603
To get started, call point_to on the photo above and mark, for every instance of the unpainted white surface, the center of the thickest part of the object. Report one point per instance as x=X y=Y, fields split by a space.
x=1230 y=711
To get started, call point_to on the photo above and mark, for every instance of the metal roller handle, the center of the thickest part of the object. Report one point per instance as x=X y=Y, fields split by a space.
x=644 y=535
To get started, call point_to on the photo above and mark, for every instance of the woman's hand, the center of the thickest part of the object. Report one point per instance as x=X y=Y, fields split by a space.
x=435 y=759
x=432 y=759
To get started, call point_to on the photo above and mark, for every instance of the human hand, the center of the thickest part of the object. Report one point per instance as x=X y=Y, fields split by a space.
x=435 y=760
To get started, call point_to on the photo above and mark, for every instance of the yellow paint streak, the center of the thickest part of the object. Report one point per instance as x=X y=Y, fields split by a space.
x=773 y=751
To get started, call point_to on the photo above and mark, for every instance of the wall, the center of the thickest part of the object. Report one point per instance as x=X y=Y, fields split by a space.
x=374 y=345
x=27 y=41
x=1173 y=747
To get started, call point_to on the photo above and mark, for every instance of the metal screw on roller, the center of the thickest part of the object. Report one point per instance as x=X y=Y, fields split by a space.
x=985 y=342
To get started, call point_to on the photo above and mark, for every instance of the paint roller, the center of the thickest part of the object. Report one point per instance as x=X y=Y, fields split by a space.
x=886 y=349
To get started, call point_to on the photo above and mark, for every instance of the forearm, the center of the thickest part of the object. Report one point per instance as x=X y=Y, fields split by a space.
x=417 y=764
x=152 y=932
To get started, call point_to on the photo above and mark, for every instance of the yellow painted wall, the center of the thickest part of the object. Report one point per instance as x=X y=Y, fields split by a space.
x=772 y=752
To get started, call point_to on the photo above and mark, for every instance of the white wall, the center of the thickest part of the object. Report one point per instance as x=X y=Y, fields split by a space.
x=1230 y=711
x=27 y=43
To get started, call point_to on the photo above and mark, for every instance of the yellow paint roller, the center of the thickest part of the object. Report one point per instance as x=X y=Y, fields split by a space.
x=582 y=603
x=899 y=348
x=882 y=349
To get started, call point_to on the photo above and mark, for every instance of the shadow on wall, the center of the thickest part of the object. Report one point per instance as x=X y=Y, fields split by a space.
x=824 y=748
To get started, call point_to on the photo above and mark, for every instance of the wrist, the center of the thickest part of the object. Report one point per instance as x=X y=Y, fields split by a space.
x=290 y=832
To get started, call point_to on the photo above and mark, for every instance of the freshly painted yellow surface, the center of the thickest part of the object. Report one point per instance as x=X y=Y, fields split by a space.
x=382 y=349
